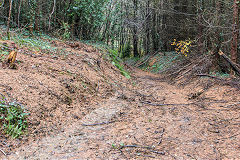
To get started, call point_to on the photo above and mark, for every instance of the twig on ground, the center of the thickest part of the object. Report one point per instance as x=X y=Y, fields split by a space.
x=157 y=152
x=207 y=75
x=135 y=146
x=123 y=154
x=229 y=137
x=143 y=147
x=3 y=152
x=161 y=104
x=97 y=124
x=161 y=135
x=230 y=105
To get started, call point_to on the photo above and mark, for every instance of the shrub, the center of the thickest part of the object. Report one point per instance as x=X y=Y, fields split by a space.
x=182 y=46
x=12 y=118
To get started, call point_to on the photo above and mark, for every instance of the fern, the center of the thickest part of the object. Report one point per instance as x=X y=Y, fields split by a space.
x=13 y=118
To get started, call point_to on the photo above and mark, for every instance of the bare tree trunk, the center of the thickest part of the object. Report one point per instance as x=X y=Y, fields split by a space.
x=19 y=12
x=154 y=33
x=235 y=33
x=9 y=18
x=135 y=36
x=217 y=40
x=50 y=16
x=200 y=7
x=37 y=16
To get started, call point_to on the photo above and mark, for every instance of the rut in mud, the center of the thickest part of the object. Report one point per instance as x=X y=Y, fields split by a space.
x=123 y=127
x=116 y=118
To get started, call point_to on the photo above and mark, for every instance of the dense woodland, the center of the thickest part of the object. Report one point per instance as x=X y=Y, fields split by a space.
x=139 y=27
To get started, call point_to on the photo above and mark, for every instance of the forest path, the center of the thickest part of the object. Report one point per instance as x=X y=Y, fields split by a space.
x=124 y=127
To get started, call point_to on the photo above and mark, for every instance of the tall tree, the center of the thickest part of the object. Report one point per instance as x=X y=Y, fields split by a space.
x=9 y=18
x=235 y=32
x=135 y=29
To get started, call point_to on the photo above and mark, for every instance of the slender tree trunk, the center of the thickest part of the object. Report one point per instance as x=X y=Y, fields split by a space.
x=154 y=33
x=218 y=42
x=135 y=36
x=50 y=16
x=235 y=32
x=37 y=16
x=9 y=18
x=19 y=12
x=147 y=38
x=200 y=7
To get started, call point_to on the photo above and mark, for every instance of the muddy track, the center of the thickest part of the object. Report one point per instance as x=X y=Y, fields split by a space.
x=125 y=127
x=83 y=108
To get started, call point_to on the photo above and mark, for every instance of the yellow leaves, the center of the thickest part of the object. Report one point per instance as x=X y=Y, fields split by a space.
x=182 y=46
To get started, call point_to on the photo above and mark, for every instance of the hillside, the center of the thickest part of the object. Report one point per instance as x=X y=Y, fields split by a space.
x=81 y=107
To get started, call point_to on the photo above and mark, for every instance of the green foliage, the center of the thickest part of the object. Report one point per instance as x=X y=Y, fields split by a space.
x=38 y=44
x=116 y=61
x=67 y=33
x=3 y=52
x=90 y=14
x=12 y=118
x=126 y=50
x=3 y=55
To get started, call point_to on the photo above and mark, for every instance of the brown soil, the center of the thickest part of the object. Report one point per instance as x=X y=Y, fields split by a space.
x=81 y=107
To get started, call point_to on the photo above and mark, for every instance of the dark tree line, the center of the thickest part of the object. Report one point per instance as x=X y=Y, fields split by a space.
x=140 y=26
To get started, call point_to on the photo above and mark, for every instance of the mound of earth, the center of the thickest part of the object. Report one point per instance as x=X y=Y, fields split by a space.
x=89 y=111
x=57 y=90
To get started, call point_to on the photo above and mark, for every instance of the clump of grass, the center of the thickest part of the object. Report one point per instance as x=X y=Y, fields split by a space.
x=3 y=52
x=12 y=118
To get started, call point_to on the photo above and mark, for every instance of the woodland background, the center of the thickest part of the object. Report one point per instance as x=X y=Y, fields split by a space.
x=138 y=27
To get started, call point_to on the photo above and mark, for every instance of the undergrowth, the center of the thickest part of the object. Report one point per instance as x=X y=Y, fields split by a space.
x=113 y=54
x=12 y=118
x=163 y=62
x=3 y=52
x=116 y=61
x=157 y=63
x=39 y=43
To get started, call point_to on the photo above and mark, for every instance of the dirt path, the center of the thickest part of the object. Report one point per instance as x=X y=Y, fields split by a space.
x=124 y=127
x=82 y=108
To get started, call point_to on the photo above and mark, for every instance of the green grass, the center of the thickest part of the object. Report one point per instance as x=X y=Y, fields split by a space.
x=3 y=52
x=36 y=42
x=12 y=118
x=116 y=61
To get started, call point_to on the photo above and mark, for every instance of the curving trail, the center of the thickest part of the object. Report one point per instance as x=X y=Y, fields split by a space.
x=82 y=108
x=122 y=127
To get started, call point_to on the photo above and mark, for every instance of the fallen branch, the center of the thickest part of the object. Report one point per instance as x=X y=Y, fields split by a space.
x=229 y=82
x=144 y=147
x=231 y=105
x=207 y=75
x=3 y=152
x=97 y=124
x=232 y=64
x=170 y=104
x=160 y=141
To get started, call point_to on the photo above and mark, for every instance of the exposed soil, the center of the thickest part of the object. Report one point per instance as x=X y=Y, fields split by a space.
x=81 y=107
